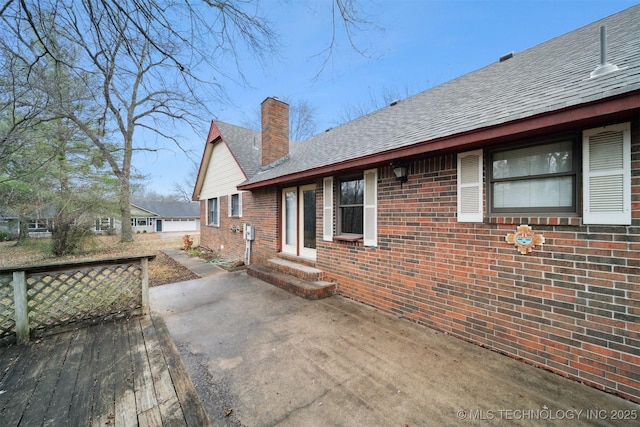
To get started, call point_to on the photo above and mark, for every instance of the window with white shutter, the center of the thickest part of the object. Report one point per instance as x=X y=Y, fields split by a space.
x=327 y=209
x=606 y=154
x=370 y=227
x=470 y=186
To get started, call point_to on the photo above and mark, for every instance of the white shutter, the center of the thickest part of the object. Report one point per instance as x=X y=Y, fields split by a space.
x=216 y=201
x=327 y=209
x=606 y=156
x=370 y=225
x=229 y=205
x=470 y=186
x=240 y=205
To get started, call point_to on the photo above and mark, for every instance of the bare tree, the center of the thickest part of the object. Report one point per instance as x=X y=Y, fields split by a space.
x=149 y=65
x=183 y=191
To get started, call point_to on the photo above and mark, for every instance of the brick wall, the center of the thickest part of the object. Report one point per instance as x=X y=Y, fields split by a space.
x=265 y=216
x=572 y=306
x=258 y=210
x=225 y=239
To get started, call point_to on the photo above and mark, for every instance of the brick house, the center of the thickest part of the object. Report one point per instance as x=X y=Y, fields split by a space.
x=514 y=224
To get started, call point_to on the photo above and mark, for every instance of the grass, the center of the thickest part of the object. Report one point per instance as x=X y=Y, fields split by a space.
x=38 y=251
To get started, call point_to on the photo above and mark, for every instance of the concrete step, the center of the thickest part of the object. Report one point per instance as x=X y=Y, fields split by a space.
x=304 y=272
x=303 y=288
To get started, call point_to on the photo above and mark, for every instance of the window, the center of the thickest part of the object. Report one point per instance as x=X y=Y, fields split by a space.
x=104 y=224
x=534 y=178
x=213 y=214
x=38 y=224
x=235 y=205
x=139 y=222
x=351 y=205
x=357 y=208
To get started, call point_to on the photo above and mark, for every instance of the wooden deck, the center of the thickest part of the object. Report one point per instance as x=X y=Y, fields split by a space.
x=118 y=373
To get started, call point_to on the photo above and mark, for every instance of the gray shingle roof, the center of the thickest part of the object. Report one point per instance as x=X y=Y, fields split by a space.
x=245 y=145
x=171 y=209
x=549 y=77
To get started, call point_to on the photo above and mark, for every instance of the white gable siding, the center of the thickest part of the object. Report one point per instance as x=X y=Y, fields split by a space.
x=222 y=175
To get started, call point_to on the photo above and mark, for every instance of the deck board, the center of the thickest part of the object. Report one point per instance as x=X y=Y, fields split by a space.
x=41 y=397
x=103 y=411
x=125 y=404
x=142 y=380
x=170 y=409
x=21 y=386
x=81 y=399
x=60 y=403
x=118 y=373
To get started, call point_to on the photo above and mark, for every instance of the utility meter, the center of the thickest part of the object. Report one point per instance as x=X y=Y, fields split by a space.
x=249 y=232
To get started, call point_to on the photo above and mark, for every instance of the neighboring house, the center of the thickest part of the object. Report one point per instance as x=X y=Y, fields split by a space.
x=548 y=139
x=152 y=217
x=42 y=224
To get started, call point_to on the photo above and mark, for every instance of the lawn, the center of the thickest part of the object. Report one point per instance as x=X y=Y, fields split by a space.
x=162 y=270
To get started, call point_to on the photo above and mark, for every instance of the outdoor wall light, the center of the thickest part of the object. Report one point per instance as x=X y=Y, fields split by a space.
x=400 y=170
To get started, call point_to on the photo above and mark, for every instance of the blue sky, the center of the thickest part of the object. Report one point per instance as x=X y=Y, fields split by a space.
x=415 y=45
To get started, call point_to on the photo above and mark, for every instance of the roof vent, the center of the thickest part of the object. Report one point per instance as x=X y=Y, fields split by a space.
x=604 y=67
x=506 y=56
x=394 y=102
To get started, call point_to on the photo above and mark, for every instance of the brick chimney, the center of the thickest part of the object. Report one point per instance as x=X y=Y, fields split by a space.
x=275 y=130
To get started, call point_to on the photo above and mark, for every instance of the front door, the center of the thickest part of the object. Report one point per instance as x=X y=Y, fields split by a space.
x=299 y=221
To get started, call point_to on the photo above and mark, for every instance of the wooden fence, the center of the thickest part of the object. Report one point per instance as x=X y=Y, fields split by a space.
x=41 y=299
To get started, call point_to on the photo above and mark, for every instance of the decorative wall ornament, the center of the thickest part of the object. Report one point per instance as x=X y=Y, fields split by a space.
x=524 y=239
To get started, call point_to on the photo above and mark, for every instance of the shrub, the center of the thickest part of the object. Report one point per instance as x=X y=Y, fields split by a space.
x=68 y=237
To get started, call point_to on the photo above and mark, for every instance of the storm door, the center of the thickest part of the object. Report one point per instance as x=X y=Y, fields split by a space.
x=299 y=221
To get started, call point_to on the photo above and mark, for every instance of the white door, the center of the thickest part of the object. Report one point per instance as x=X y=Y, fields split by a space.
x=290 y=220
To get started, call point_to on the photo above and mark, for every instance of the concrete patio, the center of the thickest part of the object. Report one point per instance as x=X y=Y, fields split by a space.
x=259 y=356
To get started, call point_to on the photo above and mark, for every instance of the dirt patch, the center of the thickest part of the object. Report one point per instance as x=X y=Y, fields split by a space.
x=162 y=270
x=165 y=269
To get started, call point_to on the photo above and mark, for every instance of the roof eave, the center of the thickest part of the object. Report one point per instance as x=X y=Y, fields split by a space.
x=620 y=105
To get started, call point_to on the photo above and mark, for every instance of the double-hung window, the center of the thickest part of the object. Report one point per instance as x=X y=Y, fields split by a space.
x=235 y=205
x=356 y=208
x=534 y=178
x=213 y=212
x=351 y=205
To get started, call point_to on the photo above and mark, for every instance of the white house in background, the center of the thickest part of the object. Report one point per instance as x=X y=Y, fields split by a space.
x=159 y=217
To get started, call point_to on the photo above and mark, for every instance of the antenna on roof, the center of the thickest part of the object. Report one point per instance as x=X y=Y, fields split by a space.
x=604 y=67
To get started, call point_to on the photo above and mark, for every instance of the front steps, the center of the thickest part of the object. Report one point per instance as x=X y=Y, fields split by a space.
x=302 y=280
